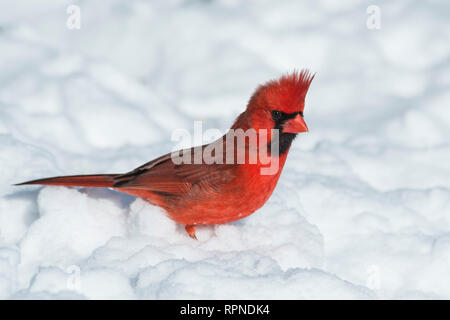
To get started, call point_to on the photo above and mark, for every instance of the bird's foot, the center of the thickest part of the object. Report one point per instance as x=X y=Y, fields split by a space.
x=190 y=229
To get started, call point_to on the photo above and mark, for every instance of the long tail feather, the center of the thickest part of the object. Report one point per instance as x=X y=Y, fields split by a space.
x=96 y=180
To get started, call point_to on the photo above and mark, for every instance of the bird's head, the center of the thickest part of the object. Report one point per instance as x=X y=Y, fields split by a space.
x=279 y=104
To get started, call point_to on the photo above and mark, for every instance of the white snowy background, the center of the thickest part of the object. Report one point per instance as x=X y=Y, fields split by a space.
x=362 y=209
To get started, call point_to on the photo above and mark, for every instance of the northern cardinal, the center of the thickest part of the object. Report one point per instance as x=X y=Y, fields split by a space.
x=202 y=193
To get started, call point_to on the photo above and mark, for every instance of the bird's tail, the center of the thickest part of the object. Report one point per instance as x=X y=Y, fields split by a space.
x=95 y=180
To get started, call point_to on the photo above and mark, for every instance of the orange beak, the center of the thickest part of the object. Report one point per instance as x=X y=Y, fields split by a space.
x=296 y=125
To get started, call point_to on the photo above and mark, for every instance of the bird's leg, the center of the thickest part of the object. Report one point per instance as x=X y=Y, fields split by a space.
x=190 y=229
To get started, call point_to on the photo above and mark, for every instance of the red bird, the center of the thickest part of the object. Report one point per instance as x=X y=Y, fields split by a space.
x=202 y=192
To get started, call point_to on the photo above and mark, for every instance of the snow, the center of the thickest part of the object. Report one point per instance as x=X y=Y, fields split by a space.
x=362 y=209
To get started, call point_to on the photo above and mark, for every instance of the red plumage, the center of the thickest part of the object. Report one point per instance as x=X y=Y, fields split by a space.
x=203 y=193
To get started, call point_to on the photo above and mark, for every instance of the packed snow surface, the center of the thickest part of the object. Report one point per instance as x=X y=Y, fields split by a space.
x=362 y=209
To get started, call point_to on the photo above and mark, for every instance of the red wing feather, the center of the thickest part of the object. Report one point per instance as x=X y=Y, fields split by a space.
x=164 y=175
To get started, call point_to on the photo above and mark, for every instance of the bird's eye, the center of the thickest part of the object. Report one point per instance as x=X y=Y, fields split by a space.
x=276 y=115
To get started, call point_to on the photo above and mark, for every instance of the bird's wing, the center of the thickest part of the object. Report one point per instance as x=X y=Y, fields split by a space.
x=166 y=174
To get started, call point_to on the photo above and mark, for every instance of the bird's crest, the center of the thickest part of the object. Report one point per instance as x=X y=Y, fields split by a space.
x=286 y=94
